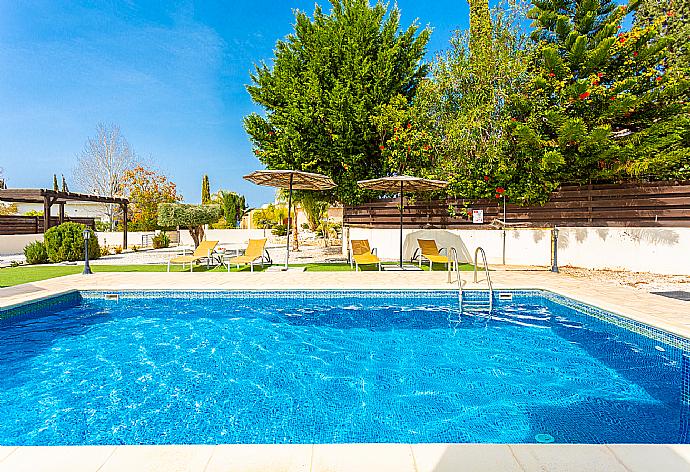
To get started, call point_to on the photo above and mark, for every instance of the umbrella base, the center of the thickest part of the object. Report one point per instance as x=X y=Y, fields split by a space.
x=405 y=267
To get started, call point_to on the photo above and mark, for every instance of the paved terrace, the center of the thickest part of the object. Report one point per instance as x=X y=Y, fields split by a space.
x=671 y=315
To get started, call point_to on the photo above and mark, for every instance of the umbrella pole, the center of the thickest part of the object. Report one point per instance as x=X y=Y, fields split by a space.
x=287 y=255
x=401 y=223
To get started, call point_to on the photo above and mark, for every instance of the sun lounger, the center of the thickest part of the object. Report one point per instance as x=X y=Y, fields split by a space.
x=203 y=251
x=255 y=251
x=363 y=254
x=429 y=251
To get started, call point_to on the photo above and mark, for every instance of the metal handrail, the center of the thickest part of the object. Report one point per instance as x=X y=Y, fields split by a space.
x=453 y=258
x=488 y=277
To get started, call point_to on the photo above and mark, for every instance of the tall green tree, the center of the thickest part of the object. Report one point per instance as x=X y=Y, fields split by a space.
x=65 y=188
x=232 y=205
x=55 y=183
x=329 y=77
x=675 y=22
x=457 y=121
x=481 y=43
x=600 y=103
x=205 y=191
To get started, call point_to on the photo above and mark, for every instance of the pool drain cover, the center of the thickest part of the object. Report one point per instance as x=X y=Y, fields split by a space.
x=544 y=438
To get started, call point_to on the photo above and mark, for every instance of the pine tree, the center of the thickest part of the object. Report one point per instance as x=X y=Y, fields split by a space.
x=55 y=183
x=600 y=103
x=675 y=22
x=205 y=191
x=328 y=79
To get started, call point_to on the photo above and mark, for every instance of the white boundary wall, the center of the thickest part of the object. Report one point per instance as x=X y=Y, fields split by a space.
x=13 y=244
x=229 y=236
x=658 y=250
x=221 y=235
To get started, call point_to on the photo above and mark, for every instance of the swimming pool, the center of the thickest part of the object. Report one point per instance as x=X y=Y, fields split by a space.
x=334 y=367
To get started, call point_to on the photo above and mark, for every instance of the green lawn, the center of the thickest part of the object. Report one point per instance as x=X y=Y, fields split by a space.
x=21 y=275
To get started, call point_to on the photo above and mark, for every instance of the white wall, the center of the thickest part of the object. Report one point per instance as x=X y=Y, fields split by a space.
x=13 y=244
x=107 y=238
x=73 y=209
x=658 y=250
x=222 y=235
x=229 y=236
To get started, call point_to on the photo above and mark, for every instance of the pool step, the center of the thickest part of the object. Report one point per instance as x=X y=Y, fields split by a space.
x=477 y=304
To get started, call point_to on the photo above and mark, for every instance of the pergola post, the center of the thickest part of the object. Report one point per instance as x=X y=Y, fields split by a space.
x=124 y=226
x=62 y=213
x=46 y=213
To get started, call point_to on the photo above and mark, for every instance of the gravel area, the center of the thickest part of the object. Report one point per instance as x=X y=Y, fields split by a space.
x=645 y=281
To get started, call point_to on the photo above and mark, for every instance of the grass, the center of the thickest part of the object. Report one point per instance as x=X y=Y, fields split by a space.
x=26 y=274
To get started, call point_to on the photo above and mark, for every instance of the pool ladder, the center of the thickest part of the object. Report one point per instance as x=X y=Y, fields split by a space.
x=453 y=254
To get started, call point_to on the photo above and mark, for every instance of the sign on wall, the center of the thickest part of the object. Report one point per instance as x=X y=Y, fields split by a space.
x=478 y=216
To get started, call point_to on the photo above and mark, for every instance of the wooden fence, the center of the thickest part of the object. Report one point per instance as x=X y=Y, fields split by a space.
x=660 y=204
x=34 y=224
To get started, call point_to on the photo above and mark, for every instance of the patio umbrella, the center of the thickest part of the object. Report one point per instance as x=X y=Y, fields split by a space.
x=290 y=179
x=401 y=184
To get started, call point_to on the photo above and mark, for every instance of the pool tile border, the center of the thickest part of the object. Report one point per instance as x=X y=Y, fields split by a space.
x=62 y=300
x=72 y=297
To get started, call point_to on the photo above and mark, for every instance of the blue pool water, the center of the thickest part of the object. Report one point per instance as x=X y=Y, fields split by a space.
x=331 y=368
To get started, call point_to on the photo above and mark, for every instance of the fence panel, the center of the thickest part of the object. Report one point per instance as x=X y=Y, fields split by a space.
x=660 y=204
x=17 y=224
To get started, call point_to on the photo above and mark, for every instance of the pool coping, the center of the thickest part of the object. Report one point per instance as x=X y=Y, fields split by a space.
x=669 y=315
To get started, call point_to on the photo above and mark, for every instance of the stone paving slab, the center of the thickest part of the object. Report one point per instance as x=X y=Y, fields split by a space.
x=352 y=458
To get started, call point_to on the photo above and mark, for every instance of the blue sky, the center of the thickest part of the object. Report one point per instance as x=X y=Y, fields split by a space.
x=170 y=74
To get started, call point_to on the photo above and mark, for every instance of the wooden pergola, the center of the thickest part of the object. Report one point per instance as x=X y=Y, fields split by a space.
x=52 y=197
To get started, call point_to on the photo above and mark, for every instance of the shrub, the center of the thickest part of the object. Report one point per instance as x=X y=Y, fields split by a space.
x=118 y=249
x=161 y=240
x=66 y=243
x=36 y=253
x=105 y=251
x=103 y=226
x=279 y=230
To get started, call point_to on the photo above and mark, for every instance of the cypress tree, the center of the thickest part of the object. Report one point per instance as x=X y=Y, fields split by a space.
x=205 y=191
x=64 y=184
x=481 y=44
x=329 y=78
x=55 y=183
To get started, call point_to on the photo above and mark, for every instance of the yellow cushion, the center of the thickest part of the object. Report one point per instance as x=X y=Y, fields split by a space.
x=243 y=259
x=434 y=258
x=204 y=248
x=367 y=258
x=360 y=246
x=185 y=259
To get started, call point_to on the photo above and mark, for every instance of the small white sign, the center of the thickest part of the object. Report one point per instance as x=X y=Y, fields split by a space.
x=478 y=216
